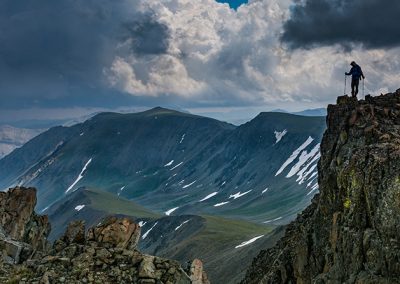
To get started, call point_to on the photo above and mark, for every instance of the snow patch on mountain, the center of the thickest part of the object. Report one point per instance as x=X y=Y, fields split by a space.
x=182 y=138
x=80 y=176
x=221 y=204
x=279 y=135
x=209 y=196
x=187 y=185
x=273 y=220
x=294 y=155
x=170 y=211
x=120 y=190
x=265 y=190
x=249 y=242
x=147 y=233
x=304 y=157
x=177 y=228
x=239 y=194
x=44 y=209
x=176 y=166
x=80 y=207
x=303 y=176
x=314 y=188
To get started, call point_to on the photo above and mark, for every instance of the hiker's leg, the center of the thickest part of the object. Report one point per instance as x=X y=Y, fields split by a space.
x=352 y=87
x=357 y=82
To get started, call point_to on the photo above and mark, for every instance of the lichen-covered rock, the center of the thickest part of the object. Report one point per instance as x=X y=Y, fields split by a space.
x=351 y=231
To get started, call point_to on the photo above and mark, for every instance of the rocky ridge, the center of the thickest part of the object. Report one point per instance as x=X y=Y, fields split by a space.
x=106 y=253
x=350 y=232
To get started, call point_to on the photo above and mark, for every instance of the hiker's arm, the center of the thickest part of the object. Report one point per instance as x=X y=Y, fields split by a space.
x=362 y=74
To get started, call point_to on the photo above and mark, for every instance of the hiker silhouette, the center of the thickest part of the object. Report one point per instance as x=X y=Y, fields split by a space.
x=356 y=74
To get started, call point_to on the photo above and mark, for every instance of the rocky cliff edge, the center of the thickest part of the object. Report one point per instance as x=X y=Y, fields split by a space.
x=351 y=231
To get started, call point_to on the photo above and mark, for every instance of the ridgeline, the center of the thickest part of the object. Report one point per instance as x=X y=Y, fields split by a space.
x=350 y=232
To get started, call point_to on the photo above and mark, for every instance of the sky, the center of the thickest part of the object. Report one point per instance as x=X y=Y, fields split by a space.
x=234 y=4
x=63 y=59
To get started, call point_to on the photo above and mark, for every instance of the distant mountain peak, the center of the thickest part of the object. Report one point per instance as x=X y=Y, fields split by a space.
x=162 y=110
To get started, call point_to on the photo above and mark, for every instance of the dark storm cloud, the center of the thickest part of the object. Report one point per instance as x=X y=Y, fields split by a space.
x=148 y=36
x=372 y=23
x=56 y=51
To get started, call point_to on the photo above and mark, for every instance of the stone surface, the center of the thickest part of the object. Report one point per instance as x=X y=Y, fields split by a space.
x=107 y=254
x=23 y=233
x=75 y=233
x=18 y=219
x=197 y=273
x=351 y=231
x=113 y=232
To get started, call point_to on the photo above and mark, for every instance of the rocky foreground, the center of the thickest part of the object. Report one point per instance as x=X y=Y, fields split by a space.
x=351 y=231
x=105 y=253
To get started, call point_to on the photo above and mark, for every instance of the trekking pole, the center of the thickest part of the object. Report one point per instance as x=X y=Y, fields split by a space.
x=345 y=79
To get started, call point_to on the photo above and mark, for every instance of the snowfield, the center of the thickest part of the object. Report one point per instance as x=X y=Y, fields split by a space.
x=249 y=242
x=80 y=176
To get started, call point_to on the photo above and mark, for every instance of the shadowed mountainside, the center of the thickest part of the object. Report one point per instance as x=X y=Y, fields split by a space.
x=350 y=233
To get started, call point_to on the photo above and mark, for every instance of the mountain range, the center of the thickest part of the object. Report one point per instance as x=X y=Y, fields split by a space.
x=192 y=182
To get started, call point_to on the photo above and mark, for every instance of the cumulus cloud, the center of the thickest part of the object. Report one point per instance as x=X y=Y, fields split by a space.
x=164 y=74
x=215 y=54
x=218 y=56
x=181 y=52
x=372 y=23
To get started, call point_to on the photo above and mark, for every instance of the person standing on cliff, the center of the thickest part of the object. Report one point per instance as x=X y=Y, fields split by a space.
x=356 y=74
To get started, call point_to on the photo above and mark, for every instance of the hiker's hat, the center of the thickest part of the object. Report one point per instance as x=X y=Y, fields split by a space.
x=352 y=63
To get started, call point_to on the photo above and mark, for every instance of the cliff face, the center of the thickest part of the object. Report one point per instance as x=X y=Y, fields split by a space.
x=23 y=233
x=106 y=253
x=351 y=231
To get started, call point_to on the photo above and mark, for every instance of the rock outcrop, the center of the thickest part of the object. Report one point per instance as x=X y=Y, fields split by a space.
x=22 y=232
x=351 y=231
x=107 y=253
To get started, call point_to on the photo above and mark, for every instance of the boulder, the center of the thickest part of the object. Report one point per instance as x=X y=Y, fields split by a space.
x=23 y=232
x=197 y=273
x=116 y=232
x=75 y=233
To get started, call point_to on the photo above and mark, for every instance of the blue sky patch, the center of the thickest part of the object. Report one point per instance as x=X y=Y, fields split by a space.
x=234 y=4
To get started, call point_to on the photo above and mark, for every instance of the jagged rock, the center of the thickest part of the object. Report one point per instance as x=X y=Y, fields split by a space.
x=75 y=233
x=197 y=274
x=22 y=233
x=106 y=255
x=350 y=232
x=14 y=252
x=147 y=268
x=18 y=219
x=113 y=232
